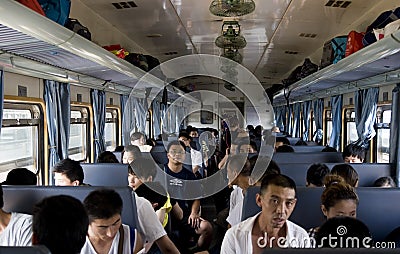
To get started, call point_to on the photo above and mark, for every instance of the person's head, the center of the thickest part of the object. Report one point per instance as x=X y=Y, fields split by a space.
x=248 y=147
x=316 y=174
x=238 y=167
x=60 y=223
x=138 y=139
x=338 y=198
x=104 y=208
x=176 y=152
x=131 y=153
x=348 y=173
x=20 y=176
x=301 y=143
x=68 y=172
x=277 y=199
x=119 y=149
x=343 y=232
x=185 y=138
x=329 y=149
x=280 y=141
x=107 y=157
x=151 y=142
x=275 y=129
x=284 y=149
x=258 y=163
x=233 y=123
x=194 y=133
x=140 y=171
x=384 y=182
x=394 y=236
x=154 y=192
x=353 y=153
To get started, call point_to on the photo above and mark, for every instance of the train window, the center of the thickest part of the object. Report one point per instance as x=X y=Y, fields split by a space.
x=111 y=132
x=328 y=124
x=384 y=114
x=78 y=138
x=20 y=139
x=350 y=129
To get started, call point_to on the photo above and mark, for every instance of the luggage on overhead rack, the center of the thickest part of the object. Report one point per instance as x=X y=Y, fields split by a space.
x=138 y=60
x=380 y=22
x=333 y=51
x=56 y=10
x=308 y=68
x=77 y=27
x=153 y=63
x=354 y=42
x=33 y=5
x=293 y=77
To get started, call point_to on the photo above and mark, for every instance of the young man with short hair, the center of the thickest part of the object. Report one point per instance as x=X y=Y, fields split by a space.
x=68 y=172
x=353 y=153
x=270 y=228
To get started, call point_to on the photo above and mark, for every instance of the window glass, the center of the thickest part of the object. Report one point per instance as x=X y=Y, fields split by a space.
x=78 y=138
x=328 y=124
x=383 y=135
x=111 y=129
x=351 y=130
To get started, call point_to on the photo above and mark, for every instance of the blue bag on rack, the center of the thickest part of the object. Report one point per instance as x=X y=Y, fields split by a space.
x=339 y=48
x=56 y=10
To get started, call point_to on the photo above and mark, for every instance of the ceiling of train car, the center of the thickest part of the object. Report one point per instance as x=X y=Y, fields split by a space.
x=280 y=34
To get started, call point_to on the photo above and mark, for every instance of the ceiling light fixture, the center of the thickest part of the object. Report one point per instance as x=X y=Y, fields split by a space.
x=230 y=36
x=232 y=8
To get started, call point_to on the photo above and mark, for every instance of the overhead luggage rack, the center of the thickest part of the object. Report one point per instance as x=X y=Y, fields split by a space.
x=371 y=66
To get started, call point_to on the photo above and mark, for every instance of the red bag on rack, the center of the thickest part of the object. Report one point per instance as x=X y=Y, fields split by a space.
x=32 y=4
x=354 y=42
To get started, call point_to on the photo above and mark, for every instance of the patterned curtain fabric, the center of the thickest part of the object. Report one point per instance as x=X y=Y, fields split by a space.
x=336 y=103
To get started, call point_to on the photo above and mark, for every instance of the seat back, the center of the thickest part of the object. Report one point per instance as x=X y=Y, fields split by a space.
x=37 y=249
x=308 y=149
x=23 y=198
x=308 y=214
x=319 y=157
x=105 y=174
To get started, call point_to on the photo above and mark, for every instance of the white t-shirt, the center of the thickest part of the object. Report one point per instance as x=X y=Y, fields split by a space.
x=235 y=206
x=18 y=231
x=238 y=238
x=150 y=227
x=126 y=246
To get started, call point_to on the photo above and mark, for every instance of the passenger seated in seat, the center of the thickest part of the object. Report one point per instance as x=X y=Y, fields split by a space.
x=248 y=147
x=316 y=174
x=15 y=228
x=284 y=149
x=20 y=176
x=280 y=141
x=60 y=223
x=130 y=154
x=348 y=173
x=338 y=199
x=138 y=139
x=106 y=233
x=328 y=149
x=353 y=153
x=343 y=232
x=271 y=227
x=107 y=157
x=195 y=156
x=68 y=173
x=385 y=182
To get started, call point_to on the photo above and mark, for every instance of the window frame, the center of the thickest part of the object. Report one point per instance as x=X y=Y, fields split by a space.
x=78 y=106
x=117 y=120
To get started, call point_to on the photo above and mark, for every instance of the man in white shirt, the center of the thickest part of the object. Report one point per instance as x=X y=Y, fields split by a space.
x=270 y=228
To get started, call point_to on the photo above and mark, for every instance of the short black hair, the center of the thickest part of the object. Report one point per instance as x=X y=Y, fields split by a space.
x=102 y=204
x=284 y=149
x=175 y=143
x=61 y=224
x=329 y=149
x=278 y=180
x=385 y=180
x=107 y=157
x=354 y=150
x=154 y=192
x=133 y=149
x=185 y=135
x=143 y=167
x=71 y=169
x=136 y=136
x=284 y=140
x=316 y=174
x=346 y=171
x=20 y=176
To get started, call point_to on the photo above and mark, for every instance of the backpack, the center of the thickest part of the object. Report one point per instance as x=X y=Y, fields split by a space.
x=77 y=27
x=33 y=5
x=56 y=10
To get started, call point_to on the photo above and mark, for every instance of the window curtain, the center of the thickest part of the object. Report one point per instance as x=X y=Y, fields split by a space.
x=289 y=120
x=98 y=99
x=164 y=118
x=180 y=114
x=140 y=106
x=306 y=118
x=280 y=117
x=336 y=103
x=123 y=100
x=129 y=121
x=365 y=105
x=296 y=120
x=394 y=155
x=156 y=118
x=172 y=119
x=1 y=97
x=318 y=109
x=57 y=98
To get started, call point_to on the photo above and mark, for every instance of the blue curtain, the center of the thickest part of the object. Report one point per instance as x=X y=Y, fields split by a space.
x=140 y=113
x=280 y=117
x=318 y=108
x=1 y=97
x=156 y=118
x=306 y=118
x=98 y=99
x=164 y=117
x=296 y=120
x=57 y=98
x=289 y=119
x=336 y=103
x=394 y=155
x=129 y=120
x=123 y=101
x=365 y=105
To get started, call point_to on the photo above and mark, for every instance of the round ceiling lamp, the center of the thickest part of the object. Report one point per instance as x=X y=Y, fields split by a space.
x=232 y=8
x=230 y=36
